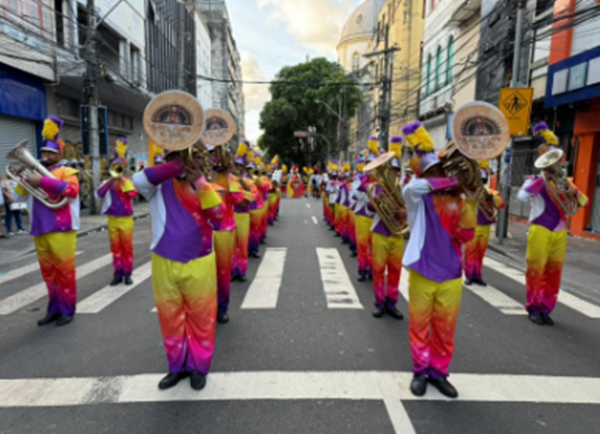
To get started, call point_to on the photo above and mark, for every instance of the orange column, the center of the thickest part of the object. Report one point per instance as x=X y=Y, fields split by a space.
x=562 y=30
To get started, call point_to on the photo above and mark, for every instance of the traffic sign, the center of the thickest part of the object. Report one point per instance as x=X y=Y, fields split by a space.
x=515 y=103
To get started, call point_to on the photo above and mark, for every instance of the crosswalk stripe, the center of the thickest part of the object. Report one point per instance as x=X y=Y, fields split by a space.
x=308 y=205
x=109 y=294
x=339 y=291
x=584 y=307
x=315 y=221
x=296 y=385
x=398 y=416
x=21 y=271
x=498 y=299
x=35 y=292
x=264 y=290
x=403 y=287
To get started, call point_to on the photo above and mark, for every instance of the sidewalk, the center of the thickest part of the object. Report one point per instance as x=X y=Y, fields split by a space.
x=581 y=272
x=19 y=245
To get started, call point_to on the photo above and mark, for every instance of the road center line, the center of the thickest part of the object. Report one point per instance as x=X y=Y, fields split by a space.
x=264 y=290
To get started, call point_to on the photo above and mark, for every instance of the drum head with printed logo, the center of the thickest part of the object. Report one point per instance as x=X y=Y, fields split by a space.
x=219 y=127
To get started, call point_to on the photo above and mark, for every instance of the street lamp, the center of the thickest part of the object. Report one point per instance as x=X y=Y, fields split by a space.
x=318 y=101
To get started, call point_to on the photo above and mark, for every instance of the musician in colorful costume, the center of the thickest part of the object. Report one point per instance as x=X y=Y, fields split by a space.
x=256 y=207
x=486 y=217
x=440 y=220
x=547 y=240
x=183 y=207
x=118 y=194
x=387 y=251
x=273 y=192
x=242 y=218
x=55 y=230
x=224 y=231
x=265 y=187
x=364 y=221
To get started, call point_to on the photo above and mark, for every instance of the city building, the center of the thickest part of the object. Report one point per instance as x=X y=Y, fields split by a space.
x=203 y=62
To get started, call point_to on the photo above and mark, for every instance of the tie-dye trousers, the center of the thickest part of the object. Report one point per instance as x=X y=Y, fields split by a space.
x=255 y=230
x=475 y=252
x=387 y=254
x=363 y=244
x=185 y=296
x=224 y=246
x=433 y=308
x=545 y=258
x=242 y=237
x=56 y=255
x=120 y=234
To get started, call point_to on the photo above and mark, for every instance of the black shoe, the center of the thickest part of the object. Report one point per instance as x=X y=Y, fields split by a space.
x=128 y=280
x=418 y=385
x=547 y=319
x=370 y=277
x=263 y=242
x=255 y=255
x=222 y=317
x=171 y=379
x=337 y=235
x=234 y=278
x=116 y=281
x=469 y=282
x=378 y=312
x=537 y=319
x=393 y=311
x=479 y=282
x=330 y=228
x=353 y=254
x=64 y=320
x=48 y=319
x=242 y=279
x=197 y=380
x=362 y=278
x=444 y=386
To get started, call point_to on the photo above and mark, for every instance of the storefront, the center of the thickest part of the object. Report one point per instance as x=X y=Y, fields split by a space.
x=22 y=111
x=575 y=83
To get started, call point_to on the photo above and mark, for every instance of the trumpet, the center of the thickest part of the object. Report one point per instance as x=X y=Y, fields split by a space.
x=389 y=203
x=29 y=165
x=549 y=163
x=116 y=169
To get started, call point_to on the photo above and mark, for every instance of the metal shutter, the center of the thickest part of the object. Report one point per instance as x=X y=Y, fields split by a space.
x=12 y=131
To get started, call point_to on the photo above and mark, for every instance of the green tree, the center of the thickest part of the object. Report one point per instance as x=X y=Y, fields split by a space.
x=293 y=108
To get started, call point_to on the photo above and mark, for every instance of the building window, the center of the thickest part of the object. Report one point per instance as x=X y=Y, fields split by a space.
x=355 y=62
x=428 y=76
x=450 y=60
x=438 y=68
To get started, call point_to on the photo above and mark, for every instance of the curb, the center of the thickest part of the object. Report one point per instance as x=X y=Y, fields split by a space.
x=88 y=232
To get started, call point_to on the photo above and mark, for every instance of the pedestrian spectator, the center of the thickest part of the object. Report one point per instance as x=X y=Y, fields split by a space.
x=10 y=207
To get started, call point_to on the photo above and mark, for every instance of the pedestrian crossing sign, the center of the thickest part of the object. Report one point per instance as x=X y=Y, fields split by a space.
x=515 y=103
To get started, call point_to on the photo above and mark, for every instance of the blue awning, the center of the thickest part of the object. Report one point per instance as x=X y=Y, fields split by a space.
x=574 y=79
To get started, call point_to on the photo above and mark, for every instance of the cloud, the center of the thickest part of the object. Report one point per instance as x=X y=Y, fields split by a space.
x=256 y=95
x=253 y=131
x=315 y=24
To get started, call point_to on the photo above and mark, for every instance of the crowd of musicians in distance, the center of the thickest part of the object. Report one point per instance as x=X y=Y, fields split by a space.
x=210 y=211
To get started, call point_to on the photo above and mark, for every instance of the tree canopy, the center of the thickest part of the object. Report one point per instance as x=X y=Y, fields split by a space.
x=293 y=108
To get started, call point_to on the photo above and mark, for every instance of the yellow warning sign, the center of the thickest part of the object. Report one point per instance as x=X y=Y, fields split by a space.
x=515 y=103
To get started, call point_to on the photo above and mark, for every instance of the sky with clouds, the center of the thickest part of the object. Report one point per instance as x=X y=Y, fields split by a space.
x=271 y=34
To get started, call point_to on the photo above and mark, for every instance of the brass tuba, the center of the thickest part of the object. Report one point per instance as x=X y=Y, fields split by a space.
x=30 y=164
x=549 y=163
x=389 y=202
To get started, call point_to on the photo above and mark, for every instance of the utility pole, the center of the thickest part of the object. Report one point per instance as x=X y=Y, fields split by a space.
x=181 y=46
x=385 y=100
x=345 y=132
x=506 y=166
x=90 y=96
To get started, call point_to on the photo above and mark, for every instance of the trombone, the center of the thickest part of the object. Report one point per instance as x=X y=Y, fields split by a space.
x=29 y=165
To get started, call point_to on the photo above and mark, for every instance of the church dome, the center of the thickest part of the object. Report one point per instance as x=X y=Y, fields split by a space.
x=363 y=21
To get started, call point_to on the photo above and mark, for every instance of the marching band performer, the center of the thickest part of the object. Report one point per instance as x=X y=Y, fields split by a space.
x=440 y=221
x=364 y=221
x=255 y=211
x=242 y=219
x=118 y=193
x=273 y=192
x=183 y=262
x=343 y=204
x=284 y=181
x=333 y=191
x=55 y=230
x=547 y=240
x=224 y=230
x=265 y=186
x=387 y=251
x=475 y=249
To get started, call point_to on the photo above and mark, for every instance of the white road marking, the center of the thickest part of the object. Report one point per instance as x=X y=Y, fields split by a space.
x=154 y=309
x=398 y=416
x=498 y=299
x=21 y=271
x=35 y=292
x=109 y=294
x=315 y=221
x=403 y=287
x=279 y=385
x=264 y=290
x=308 y=205
x=339 y=291
x=584 y=307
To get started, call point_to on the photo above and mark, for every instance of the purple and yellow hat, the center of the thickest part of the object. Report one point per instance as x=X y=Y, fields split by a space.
x=121 y=150
x=424 y=156
x=51 y=135
x=242 y=150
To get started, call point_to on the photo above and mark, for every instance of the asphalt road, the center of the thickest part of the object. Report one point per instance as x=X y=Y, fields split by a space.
x=303 y=365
